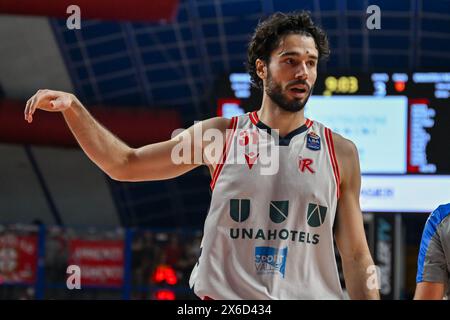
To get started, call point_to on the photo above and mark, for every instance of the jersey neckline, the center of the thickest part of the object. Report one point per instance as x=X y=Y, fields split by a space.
x=283 y=141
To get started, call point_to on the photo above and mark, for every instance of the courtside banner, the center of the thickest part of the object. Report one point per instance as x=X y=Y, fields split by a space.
x=18 y=259
x=100 y=261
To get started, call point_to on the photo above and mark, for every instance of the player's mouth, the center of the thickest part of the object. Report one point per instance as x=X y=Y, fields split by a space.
x=298 y=91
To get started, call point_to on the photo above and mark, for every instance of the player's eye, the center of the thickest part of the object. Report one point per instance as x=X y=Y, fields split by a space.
x=289 y=61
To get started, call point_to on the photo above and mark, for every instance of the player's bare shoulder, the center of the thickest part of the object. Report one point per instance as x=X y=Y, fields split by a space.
x=213 y=127
x=343 y=145
x=346 y=154
x=214 y=132
x=218 y=123
x=209 y=133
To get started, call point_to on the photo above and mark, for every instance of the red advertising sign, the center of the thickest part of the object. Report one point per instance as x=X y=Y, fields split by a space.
x=18 y=258
x=100 y=261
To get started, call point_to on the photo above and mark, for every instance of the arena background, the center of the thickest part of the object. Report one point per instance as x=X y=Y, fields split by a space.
x=146 y=68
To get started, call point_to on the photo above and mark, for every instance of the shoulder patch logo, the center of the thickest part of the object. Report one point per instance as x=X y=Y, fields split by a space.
x=279 y=211
x=239 y=209
x=316 y=215
x=313 y=141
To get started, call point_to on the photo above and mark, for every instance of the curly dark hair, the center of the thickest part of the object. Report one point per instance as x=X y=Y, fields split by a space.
x=269 y=32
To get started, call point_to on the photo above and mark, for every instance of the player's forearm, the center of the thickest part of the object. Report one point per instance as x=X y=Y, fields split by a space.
x=429 y=291
x=101 y=146
x=360 y=280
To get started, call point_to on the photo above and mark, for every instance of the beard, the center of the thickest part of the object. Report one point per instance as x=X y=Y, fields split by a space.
x=275 y=92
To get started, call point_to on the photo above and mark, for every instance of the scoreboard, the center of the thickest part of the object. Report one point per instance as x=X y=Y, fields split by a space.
x=400 y=123
x=428 y=99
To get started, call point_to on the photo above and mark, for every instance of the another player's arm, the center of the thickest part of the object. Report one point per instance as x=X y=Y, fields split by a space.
x=113 y=156
x=432 y=273
x=349 y=230
x=429 y=291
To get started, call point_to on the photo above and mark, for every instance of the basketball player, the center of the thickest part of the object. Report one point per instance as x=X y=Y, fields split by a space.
x=266 y=236
x=433 y=266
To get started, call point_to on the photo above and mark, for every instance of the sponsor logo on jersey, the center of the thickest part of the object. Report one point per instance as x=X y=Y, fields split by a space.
x=279 y=211
x=239 y=209
x=250 y=140
x=251 y=159
x=313 y=141
x=274 y=234
x=316 y=215
x=270 y=260
x=253 y=147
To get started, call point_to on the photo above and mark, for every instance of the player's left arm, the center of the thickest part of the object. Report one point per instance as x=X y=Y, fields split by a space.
x=349 y=227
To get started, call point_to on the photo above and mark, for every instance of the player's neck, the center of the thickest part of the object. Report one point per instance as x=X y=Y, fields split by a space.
x=278 y=118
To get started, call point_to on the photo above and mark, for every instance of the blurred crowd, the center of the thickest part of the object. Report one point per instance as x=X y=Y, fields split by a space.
x=159 y=260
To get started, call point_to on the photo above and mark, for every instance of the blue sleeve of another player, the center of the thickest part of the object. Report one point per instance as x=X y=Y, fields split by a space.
x=431 y=261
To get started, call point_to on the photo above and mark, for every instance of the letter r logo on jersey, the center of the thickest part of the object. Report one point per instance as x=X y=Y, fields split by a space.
x=305 y=164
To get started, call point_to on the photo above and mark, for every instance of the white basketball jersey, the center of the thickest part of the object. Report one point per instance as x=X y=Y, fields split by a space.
x=269 y=230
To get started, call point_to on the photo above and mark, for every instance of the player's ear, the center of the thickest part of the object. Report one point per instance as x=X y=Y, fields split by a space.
x=261 y=69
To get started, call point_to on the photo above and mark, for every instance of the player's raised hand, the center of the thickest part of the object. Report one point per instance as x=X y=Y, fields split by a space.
x=48 y=100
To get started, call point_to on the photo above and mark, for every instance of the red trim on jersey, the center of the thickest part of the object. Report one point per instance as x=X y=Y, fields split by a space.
x=254 y=117
x=308 y=123
x=334 y=164
x=226 y=147
x=250 y=115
